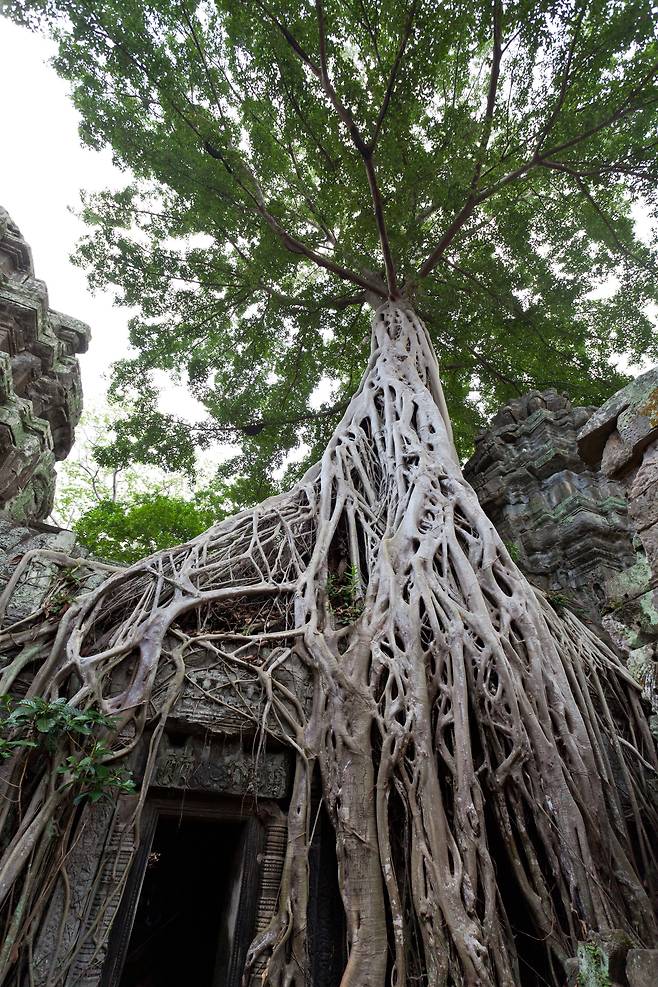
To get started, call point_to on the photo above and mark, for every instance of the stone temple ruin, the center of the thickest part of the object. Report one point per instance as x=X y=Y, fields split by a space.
x=40 y=405
x=210 y=789
x=40 y=389
x=573 y=492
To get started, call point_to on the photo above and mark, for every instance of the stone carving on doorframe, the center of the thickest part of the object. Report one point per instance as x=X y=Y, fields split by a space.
x=222 y=767
x=72 y=947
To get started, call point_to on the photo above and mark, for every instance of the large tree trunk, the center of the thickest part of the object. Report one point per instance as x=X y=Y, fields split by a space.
x=484 y=760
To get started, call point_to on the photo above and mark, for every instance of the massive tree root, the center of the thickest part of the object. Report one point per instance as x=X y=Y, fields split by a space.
x=484 y=760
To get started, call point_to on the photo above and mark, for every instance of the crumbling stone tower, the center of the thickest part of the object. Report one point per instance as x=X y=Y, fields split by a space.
x=40 y=388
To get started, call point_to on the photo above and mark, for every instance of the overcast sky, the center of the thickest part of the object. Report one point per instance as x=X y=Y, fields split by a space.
x=43 y=167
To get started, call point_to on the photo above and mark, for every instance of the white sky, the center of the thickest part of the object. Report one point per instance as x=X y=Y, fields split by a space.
x=43 y=167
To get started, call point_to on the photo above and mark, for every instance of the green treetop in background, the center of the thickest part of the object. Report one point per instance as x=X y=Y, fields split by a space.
x=124 y=514
x=288 y=160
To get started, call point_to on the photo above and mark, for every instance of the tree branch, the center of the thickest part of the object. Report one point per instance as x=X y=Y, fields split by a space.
x=481 y=360
x=290 y=242
x=336 y=303
x=610 y=227
x=538 y=159
x=472 y=201
x=393 y=76
x=347 y=119
x=219 y=430
x=460 y=219
x=365 y=150
x=494 y=76
x=566 y=78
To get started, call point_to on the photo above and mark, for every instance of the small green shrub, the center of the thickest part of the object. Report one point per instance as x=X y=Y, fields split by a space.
x=343 y=594
x=40 y=724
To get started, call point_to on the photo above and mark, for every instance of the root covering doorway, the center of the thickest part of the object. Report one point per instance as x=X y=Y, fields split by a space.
x=188 y=913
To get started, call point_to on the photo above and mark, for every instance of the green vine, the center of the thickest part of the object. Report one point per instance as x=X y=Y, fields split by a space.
x=514 y=550
x=561 y=602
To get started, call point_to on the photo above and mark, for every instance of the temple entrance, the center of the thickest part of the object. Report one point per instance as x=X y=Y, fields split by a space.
x=177 y=936
x=188 y=911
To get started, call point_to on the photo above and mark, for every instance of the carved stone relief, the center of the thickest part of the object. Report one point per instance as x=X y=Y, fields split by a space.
x=71 y=948
x=204 y=765
x=566 y=525
x=217 y=700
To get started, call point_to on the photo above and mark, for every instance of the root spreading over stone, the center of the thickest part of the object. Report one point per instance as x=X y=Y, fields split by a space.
x=484 y=760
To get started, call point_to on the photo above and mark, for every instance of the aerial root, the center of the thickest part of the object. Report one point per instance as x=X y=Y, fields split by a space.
x=484 y=760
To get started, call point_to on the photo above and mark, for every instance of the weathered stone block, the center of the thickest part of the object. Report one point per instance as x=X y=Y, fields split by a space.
x=628 y=422
x=221 y=768
x=571 y=971
x=642 y=967
x=644 y=508
x=212 y=703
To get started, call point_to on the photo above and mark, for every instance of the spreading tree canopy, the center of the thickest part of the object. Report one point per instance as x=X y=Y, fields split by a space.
x=484 y=760
x=285 y=160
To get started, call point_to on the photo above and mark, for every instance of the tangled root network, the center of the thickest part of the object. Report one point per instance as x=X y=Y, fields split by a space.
x=484 y=760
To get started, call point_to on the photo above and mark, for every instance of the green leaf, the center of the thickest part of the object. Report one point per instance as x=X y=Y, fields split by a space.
x=242 y=176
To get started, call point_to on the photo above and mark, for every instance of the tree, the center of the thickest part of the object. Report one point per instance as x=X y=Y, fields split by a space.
x=122 y=515
x=483 y=159
x=484 y=760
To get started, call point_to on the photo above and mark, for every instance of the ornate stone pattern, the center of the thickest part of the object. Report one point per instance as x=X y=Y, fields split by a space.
x=565 y=524
x=40 y=390
x=221 y=768
x=216 y=700
x=103 y=905
x=272 y=860
x=80 y=913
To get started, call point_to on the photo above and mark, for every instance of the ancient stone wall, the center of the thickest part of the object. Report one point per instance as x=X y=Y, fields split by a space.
x=40 y=390
x=574 y=493
x=565 y=524
x=621 y=439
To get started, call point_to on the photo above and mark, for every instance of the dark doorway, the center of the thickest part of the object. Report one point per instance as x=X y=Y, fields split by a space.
x=179 y=931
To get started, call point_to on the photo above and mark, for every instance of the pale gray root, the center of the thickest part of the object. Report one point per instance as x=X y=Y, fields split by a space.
x=485 y=761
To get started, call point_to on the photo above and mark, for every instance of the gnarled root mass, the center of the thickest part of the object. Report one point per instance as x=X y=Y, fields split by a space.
x=485 y=761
